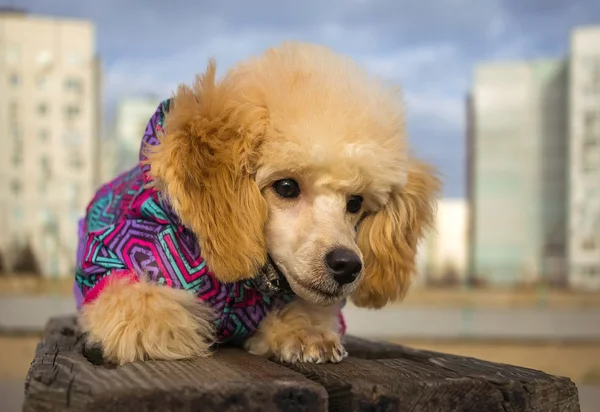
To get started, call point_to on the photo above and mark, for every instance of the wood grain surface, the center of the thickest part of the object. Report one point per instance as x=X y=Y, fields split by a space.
x=67 y=376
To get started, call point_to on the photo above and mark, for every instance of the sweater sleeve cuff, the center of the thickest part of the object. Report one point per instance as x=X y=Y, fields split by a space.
x=94 y=292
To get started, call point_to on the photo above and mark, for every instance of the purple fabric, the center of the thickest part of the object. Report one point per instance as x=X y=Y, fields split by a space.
x=131 y=227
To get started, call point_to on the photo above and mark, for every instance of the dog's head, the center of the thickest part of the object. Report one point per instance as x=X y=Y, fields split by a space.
x=298 y=158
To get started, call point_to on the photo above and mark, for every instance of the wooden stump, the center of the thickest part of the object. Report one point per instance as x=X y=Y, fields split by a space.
x=65 y=376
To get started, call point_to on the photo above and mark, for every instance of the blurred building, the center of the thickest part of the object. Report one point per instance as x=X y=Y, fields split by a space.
x=442 y=256
x=584 y=155
x=533 y=174
x=122 y=146
x=518 y=172
x=50 y=122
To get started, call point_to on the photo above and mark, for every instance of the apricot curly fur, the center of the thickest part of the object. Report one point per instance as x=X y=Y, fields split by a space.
x=389 y=238
x=142 y=320
x=298 y=111
x=203 y=164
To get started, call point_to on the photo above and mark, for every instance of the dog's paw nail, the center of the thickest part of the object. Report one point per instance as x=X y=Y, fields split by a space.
x=316 y=348
x=290 y=357
x=341 y=353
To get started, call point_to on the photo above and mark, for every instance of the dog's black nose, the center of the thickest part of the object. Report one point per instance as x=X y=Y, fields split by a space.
x=345 y=265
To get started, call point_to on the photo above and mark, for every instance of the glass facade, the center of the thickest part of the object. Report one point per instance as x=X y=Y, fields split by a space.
x=518 y=172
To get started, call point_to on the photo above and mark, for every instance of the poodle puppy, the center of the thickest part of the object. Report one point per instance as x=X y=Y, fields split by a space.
x=262 y=201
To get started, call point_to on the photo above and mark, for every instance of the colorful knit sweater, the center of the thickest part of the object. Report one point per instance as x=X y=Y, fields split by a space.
x=130 y=228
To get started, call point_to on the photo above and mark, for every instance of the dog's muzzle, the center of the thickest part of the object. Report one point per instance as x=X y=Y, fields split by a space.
x=270 y=281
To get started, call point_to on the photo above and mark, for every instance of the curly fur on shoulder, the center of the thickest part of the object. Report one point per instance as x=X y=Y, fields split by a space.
x=204 y=165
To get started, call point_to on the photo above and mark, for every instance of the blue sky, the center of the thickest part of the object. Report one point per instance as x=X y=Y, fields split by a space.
x=428 y=46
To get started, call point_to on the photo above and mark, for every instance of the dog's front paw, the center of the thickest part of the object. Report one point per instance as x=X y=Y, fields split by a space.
x=137 y=321
x=299 y=346
x=299 y=332
x=311 y=347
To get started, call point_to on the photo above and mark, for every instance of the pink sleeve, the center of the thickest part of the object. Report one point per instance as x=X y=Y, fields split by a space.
x=95 y=291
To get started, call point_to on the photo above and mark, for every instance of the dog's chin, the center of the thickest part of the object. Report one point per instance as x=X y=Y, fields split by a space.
x=324 y=295
x=273 y=280
x=325 y=292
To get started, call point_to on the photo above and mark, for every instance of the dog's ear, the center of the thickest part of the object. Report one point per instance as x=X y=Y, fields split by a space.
x=388 y=239
x=203 y=164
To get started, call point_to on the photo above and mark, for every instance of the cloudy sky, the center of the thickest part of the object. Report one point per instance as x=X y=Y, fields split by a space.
x=429 y=46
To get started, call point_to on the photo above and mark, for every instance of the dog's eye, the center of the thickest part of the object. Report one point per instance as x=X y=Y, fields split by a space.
x=287 y=188
x=354 y=204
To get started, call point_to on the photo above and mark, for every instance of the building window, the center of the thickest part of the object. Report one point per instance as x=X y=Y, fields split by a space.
x=45 y=165
x=14 y=80
x=43 y=135
x=593 y=66
x=16 y=134
x=45 y=217
x=75 y=215
x=16 y=187
x=13 y=54
x=589 y=162
x=74 y=59
x=591 y=123
x=75 y=160
x=44 y=58
x=43 y=109
x=16 y=160
x=73 y=192
x=73 y=85
x=72 y=138
x=18 y=215
x=43 y=81
x=592 y=84
x=17 y=155
x=13 y=110
x=588 y=244
x=589 y=271
x=591 y=91
x=71 y=112
x=590 y=141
